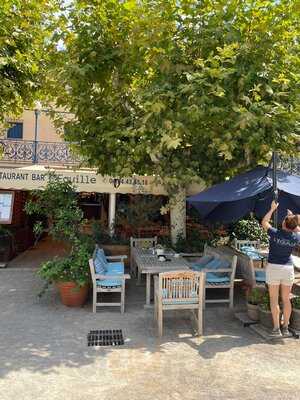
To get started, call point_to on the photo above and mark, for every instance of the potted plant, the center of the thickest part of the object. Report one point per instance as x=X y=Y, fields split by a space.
x=295 y=316
x=58 y=204
x=249 y=229
x=70 y=275
x=264 y=311
x=253 y=300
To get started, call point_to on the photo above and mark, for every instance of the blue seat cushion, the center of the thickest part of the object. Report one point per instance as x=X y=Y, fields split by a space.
x=251 y=252
x=101 y=256
x=260 y=276
x=201 y=263
x=115 y=268
x=212 y=277
x=99 y=266
x=217 y=263
x=109 y=282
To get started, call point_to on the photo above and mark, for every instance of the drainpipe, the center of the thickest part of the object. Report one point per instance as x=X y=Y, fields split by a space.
x=37 y=112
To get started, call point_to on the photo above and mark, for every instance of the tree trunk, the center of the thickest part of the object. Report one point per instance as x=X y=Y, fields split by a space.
x=178 y=215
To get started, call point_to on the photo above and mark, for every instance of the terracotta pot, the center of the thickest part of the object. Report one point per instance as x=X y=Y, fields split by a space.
x=295 y=319
x=265 y=318
x=72 y=295
x=252 y=311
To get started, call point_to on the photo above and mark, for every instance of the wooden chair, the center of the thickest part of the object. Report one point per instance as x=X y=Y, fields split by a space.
x=180 y=290
x=111 y=281
x=142 y=243
x=230 y=273
x=251 y=268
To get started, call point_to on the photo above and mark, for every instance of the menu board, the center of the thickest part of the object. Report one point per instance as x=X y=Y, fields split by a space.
x=6 y=207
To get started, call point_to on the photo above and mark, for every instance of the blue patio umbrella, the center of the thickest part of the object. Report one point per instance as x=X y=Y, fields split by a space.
x=252 y=191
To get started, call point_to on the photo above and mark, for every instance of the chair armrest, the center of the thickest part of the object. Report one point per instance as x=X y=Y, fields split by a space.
x=116 y=276
x=191 y=254
x=217 y=270
x=116 y=257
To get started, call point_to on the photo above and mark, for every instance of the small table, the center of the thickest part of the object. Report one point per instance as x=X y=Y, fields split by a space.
x=149 y=264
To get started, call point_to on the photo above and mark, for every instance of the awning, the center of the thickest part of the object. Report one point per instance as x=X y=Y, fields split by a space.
x=36 y=177
x=249 y=192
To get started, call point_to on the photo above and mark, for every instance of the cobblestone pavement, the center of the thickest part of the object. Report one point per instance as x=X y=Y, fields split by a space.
x=44 y=353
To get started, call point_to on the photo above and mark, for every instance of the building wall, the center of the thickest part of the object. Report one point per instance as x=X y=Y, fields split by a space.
x=46 y=129
x=47 y=132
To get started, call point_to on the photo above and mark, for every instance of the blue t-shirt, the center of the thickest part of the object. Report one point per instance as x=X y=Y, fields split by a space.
x=281 y=246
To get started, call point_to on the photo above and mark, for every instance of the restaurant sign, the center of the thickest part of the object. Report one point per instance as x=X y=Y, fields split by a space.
x=27 y=179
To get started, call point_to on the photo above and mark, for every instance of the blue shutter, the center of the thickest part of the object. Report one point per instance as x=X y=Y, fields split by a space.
x=16 y=131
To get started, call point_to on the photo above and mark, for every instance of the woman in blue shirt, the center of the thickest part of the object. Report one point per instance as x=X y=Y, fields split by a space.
x=280 y=269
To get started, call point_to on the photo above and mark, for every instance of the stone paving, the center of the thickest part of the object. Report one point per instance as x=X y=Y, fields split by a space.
x=44 y=353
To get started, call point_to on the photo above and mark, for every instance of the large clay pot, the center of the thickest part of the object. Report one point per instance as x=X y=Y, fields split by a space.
x=295 y=319
x=252 y=311
x=265 y=318
x=71 y=294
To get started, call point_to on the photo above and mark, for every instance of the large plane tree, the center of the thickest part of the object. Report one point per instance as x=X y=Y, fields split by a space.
x=181 y=88
x=27 y=45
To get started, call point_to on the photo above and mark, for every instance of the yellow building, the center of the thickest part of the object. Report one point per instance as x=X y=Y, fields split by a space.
x=33 y=138
x=25 y=126
x=32 y=146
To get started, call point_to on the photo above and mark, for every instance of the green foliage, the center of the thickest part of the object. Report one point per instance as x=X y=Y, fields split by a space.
x=139 y=212
x=193 y=243
x=249 y=229
x=181 y=88
x=58 y=203
x=100 y=234
x=255 y=296
x=264 y=302
x=27 y=36
x=73 y=267
x=296 y=303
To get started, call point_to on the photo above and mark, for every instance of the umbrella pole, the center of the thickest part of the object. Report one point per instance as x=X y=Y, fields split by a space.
x=274 y=176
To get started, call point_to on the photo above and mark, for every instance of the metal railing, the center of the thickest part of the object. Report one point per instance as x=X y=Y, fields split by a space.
x=289 y=164
x=31 y=152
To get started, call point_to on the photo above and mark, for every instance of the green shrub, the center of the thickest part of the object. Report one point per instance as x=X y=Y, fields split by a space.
x=255 y=296
x=73 y=267
x=58 y=204
x=249 y=229
x=296 y=303
x=264 y=302
x=100 y=234
x=193 y=243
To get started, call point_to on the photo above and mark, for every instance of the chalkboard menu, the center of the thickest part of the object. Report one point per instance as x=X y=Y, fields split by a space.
x=6 y=207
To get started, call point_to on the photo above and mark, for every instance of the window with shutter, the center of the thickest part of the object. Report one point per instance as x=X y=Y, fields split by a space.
x=15 y=131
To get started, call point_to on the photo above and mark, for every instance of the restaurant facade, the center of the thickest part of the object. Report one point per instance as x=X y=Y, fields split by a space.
x=30 y=158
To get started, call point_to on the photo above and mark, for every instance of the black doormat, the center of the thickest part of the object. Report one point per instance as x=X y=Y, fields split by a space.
x=110 y=337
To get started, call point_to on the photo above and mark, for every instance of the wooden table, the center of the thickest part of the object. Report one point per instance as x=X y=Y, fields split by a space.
x=149 y=264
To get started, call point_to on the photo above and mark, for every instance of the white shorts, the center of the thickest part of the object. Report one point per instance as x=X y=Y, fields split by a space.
x=278 y=274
